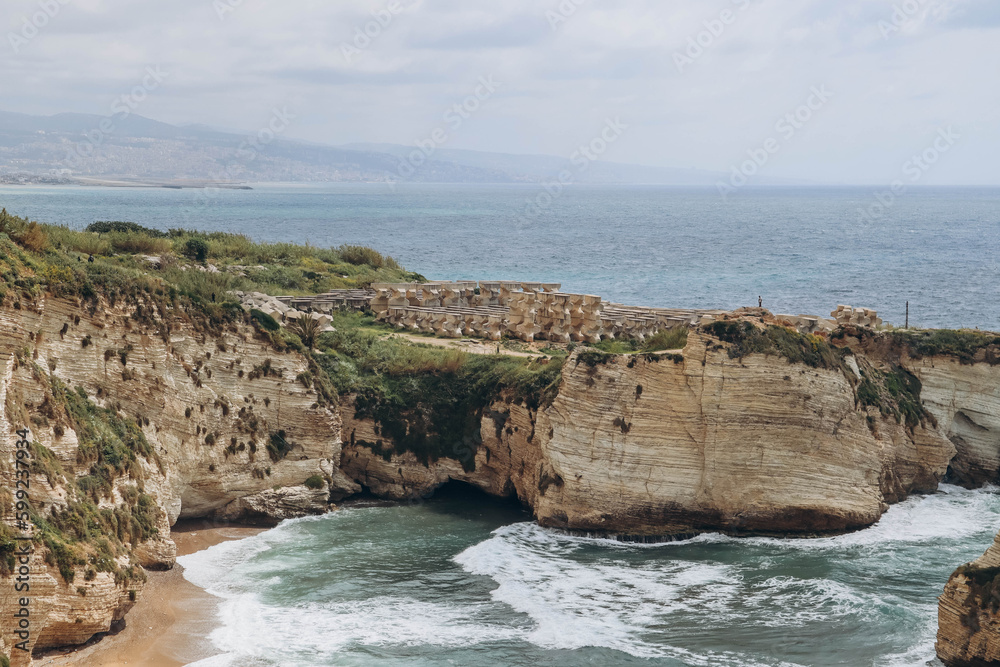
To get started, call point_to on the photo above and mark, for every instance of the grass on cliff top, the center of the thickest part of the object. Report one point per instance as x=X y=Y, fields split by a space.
x=108 y=261
x=424 y=399
x=984 y=584
x=963 y=344
x=745 y=339
x=668 y=339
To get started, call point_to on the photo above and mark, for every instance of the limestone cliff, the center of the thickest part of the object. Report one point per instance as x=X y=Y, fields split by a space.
x=234 y=427
x=748 y=429
x=965 y=399
x=654 y=445
x=969 y=614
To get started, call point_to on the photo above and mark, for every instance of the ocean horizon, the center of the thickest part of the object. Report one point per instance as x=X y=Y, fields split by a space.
x=803 y=250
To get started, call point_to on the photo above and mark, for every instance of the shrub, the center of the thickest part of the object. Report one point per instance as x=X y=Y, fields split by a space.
x=264 y=320
x=358 y=255
x=133 y=243
x=315 y=482
x=196 y=249
x=104 y=227
x=34 y=239
x=278 y=447
x=668 y=339
x=307 y=329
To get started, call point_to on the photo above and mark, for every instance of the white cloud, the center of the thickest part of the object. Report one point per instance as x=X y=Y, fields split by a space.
x=604 y=60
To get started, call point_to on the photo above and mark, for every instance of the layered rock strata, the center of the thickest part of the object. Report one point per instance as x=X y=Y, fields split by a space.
x=654 y=445
x=969 y=614
x=235 y=426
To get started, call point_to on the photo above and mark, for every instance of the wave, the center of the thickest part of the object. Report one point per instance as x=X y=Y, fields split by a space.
x=707 y=601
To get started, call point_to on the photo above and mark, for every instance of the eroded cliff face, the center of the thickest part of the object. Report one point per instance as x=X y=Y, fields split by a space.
x=969 y=614
x=209 y=404
x=634 y=445
x=965 y=399
x=657 y=445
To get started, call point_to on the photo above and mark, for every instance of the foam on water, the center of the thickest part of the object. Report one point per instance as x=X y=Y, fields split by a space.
x=711 y=600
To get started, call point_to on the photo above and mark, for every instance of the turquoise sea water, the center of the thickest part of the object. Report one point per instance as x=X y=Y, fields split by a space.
x=462 y=580
x=804 y=250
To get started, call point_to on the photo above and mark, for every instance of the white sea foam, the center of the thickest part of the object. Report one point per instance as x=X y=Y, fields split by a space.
x=567 y=592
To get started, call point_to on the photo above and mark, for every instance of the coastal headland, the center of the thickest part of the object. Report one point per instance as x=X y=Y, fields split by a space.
x=150 y=377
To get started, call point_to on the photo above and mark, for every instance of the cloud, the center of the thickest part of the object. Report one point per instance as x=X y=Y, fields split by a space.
x=605 y=60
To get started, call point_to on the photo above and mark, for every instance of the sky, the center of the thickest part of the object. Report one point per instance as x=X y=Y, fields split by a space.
x=834 y=91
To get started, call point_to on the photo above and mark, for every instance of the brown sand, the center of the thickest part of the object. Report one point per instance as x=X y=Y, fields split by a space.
x=170 y=624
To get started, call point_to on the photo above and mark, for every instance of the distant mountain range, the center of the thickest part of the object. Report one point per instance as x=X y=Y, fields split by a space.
x=130 y=149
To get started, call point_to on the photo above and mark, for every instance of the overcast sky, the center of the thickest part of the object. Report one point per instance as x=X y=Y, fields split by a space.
x=894 y=82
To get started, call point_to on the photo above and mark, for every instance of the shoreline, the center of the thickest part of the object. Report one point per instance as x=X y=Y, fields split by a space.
x=170 y=624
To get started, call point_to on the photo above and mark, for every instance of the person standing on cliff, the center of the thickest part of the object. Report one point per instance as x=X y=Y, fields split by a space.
x=760 y=302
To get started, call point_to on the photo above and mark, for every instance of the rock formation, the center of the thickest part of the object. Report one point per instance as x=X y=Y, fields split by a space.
x=654 y=445
x=751 y=428
x=969 y=614
x=229 y=418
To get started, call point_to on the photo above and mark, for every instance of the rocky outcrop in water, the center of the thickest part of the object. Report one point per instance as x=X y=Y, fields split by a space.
x=738 y=432
x=969 y=614
x=656 y=445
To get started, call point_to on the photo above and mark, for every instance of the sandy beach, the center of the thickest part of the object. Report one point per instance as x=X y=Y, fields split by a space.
x=170 y=624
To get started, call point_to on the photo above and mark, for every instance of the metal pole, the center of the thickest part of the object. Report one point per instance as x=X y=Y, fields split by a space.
x=907 y=314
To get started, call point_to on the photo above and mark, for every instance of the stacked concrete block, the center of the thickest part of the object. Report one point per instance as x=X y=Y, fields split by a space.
x=523 y=320
x=862 y=317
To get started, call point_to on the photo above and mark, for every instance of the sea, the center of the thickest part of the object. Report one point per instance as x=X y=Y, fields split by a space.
x=801 y=250
x=462 y=579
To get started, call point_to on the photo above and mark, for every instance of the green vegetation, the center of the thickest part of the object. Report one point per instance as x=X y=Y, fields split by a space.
x=81 y=533
x=424 y=399
x=8 y=547
x=4 y=660
x=315 y=483
x=963 y=344
x=984 y=584
x=264 y=320
x=745 y=338
x=107 y=261
x=307 y=329
x=668 y=339
x=125 y=228
x=895 y=392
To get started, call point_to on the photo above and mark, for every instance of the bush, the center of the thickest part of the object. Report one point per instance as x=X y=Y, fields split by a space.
x=358 y=255
x=746 y=339
x=264 y=320
x=196 y=249
x=133 y=243
x=278 y=446
x=34 y=239
x=315 y=482
x=126 y=228
x=307 y=329
x=668 y=339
